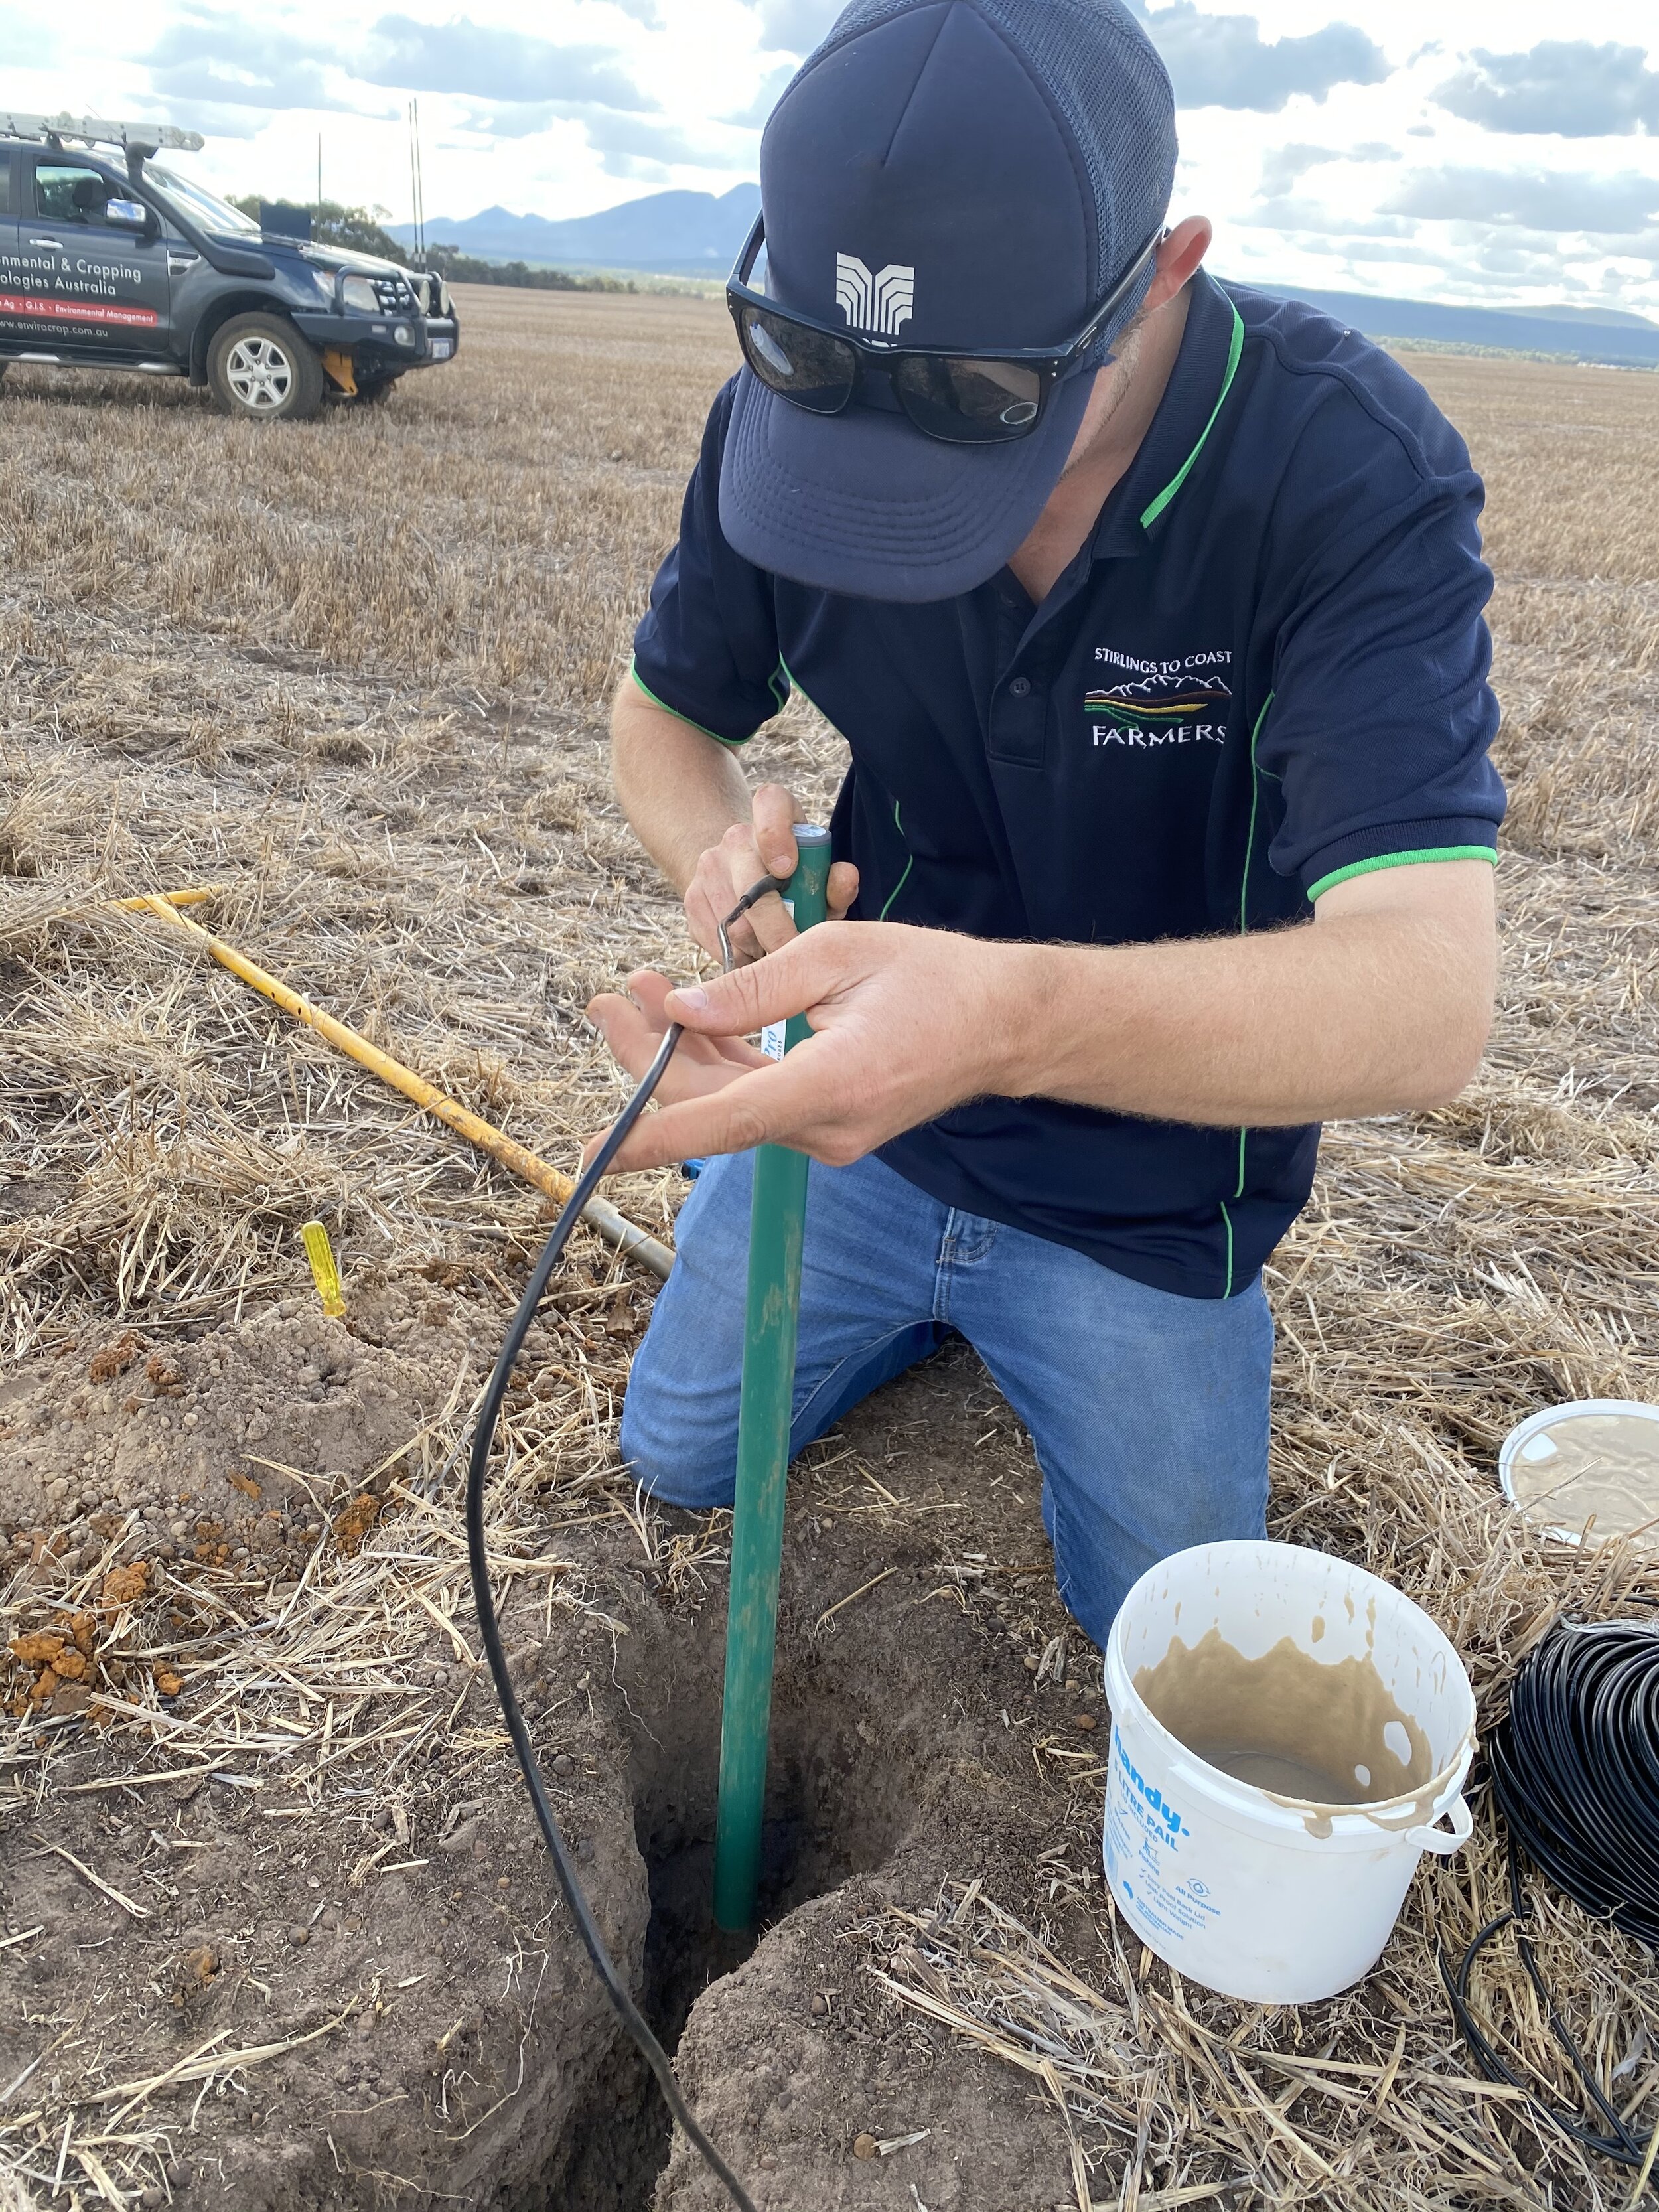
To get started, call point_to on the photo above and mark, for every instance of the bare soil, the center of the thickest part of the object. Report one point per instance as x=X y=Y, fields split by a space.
x=383 y=2000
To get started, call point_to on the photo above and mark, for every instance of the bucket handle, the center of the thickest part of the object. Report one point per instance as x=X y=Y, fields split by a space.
x=1443 y=1841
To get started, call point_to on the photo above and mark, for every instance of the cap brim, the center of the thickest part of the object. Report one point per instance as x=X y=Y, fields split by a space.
x=862 y=503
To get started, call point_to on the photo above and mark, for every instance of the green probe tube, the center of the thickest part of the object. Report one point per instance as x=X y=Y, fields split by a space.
x=776 y=1223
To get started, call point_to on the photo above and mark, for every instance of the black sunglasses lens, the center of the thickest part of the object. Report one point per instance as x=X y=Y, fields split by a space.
x=814 y=369
x=967 y=402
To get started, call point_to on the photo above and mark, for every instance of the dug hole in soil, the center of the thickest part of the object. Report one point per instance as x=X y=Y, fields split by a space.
x=396 y=1938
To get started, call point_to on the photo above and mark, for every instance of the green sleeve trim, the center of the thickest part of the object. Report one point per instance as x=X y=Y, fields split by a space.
x=1227 y=1288
x=1402 y=860
x=1150 y=514
x=732 y=744
x=910 y=863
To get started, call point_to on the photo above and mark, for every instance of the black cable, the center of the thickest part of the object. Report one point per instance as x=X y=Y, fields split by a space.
x=752 y=897
x=478 y=1468
x=1575 y=1769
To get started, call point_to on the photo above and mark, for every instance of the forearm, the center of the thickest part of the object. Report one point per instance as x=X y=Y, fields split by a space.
x=1380 y=1005
x=680 y=790
x=1365 y=1012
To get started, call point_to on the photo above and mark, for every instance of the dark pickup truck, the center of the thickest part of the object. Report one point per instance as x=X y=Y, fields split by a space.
x=110 y=261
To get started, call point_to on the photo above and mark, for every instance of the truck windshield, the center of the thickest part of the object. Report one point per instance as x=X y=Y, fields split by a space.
x=198 y=206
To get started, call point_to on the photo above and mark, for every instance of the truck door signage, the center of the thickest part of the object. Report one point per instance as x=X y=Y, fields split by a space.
x=73 y=287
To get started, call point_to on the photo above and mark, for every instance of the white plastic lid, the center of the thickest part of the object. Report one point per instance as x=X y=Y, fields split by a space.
x=1587 y=1471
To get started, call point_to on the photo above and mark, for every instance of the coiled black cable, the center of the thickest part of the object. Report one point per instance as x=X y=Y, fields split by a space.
x=478 y=1557
x=1575 y=1770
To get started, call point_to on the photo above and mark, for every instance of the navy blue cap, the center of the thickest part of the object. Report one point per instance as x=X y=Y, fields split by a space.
x=943 y=172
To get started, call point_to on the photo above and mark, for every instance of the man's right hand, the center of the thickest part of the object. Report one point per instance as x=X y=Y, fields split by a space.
x=762 y=846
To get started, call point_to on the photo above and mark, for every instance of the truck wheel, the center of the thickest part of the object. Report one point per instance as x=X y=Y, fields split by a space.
x=262 y=369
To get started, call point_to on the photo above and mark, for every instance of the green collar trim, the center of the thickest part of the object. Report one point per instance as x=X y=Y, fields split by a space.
x=1236 y=348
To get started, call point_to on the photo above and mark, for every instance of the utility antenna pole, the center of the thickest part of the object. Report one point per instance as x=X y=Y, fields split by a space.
x=417 y=185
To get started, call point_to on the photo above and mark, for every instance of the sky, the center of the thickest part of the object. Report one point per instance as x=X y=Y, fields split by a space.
x=1466 y=150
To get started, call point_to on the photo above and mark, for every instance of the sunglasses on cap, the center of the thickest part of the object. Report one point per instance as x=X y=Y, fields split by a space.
x=964 y=396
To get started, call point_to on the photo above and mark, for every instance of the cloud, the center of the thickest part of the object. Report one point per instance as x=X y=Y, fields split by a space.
x=522 y=118
x=1566 y=85
x=1223 y=61
x=638 y=170
x=225 y=61
x=612 y=133
x=237 y=62
x=26 y=42
x=1548 y=200
x=460 y=57
x=795 y=26
x=213 y=120
x=753 y=115
x=301 y=84
x=1290 y=213
x=1387 y=254
x=1284 y=165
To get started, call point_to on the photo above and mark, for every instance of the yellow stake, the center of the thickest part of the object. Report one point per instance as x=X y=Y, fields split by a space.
x=325 y=1270
x=600 y=1213
x=193 y=896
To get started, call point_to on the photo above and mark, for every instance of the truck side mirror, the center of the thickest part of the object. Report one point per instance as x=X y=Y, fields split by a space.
x=125 y=214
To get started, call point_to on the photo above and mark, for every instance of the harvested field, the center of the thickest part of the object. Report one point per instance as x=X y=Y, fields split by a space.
x=278 y=1930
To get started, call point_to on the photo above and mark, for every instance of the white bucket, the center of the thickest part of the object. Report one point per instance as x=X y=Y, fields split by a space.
x=1271 y=1897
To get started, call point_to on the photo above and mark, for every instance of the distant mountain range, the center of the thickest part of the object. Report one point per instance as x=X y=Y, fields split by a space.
x=670 y=234
x=1601 y=334
x=681 y=234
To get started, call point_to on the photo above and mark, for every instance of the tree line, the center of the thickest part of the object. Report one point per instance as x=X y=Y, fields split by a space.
x=358 y=230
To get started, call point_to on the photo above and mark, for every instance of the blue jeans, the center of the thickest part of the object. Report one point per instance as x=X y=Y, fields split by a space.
x=1148 y=1412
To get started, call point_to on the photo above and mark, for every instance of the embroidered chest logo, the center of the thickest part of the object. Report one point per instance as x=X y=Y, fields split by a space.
x=1147 y=704
x=879 y=304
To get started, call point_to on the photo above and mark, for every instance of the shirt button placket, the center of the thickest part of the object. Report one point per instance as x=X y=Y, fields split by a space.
x=1017 y=723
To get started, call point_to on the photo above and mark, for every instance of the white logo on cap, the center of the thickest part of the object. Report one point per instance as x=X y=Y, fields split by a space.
x=877 y=304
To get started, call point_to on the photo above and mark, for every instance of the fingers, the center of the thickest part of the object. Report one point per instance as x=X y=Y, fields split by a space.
x=763 y=846
x=631 y=1035
x=648 y=989
x=702 y=908
x=773 y=813
x=779 y=1103
x=633 y=1028
x=795 y=980
x=841 y=889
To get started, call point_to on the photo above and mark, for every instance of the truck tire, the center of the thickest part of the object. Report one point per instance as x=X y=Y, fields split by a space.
x=261 y=368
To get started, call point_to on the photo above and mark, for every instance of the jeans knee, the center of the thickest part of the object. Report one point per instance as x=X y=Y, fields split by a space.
x=675 y=1462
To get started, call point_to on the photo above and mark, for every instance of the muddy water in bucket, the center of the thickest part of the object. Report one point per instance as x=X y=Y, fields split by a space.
x=1289 y=1736
x=1319 y=1735
x=1588 y=1471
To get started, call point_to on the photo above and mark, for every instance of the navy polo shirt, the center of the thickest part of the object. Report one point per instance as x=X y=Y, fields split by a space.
x=1264 y=672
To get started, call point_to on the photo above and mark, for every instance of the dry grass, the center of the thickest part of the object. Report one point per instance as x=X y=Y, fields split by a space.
x=356 y=671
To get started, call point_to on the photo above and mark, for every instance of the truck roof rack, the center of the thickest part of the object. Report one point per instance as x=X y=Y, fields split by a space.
x=142 y=139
